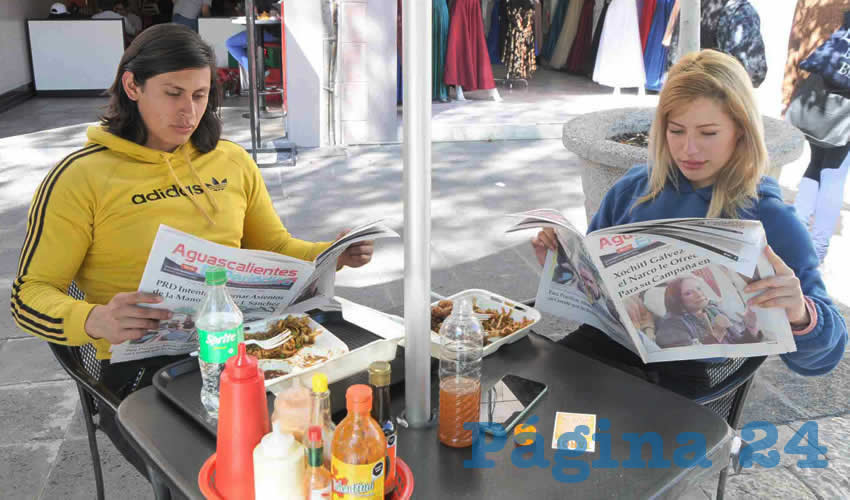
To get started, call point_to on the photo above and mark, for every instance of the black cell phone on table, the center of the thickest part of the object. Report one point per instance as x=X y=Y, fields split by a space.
x=508 y=402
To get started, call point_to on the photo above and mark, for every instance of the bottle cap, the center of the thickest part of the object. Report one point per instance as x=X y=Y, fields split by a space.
x=521 y=434
x=242 y=366
x=314 y=434
x=464 y=307
x=358 y=398
x=320 y=382
x=216 y=276
x=379 y=373
x=277 y=444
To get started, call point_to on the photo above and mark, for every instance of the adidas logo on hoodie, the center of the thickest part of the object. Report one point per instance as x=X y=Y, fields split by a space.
x=217 y=186
x=173 y=191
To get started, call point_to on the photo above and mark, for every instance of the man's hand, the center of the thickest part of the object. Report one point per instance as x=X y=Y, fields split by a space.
x=357 y=254
x=544 y=241
x=122 y=319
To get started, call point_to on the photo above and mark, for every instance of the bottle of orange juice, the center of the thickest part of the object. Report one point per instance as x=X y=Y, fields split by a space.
x=358 y=450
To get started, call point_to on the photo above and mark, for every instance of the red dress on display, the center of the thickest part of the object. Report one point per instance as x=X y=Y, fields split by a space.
x=646 y=21
x=583 y=43
x=467 y=59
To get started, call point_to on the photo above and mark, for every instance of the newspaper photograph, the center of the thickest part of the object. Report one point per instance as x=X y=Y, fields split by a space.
x=666 y=289
x=261 y=283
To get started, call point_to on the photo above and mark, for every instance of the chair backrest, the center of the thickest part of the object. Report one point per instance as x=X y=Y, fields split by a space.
x=729 y=386
x=82 y=365
x=86 y=354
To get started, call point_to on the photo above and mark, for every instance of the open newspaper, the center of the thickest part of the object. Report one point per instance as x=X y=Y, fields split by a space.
x=261 y=283
x=665 y=289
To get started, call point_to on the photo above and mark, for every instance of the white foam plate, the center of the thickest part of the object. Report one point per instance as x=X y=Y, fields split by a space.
x=490 y=300
x=327 y=345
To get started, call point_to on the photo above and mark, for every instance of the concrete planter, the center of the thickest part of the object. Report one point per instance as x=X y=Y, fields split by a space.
x=605 y=161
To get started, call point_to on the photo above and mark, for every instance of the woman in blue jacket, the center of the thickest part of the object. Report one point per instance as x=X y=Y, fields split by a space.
x=707 y=158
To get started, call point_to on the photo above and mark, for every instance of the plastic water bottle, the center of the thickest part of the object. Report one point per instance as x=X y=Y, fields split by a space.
x=461 y=350
x=219 y=333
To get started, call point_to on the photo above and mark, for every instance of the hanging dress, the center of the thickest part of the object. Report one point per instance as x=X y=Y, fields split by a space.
x=655 y=55
x=555 y=29
x=486 y=14
x=467 y=59
x=494 y=31
x=439 y=36
x=568 y=34
x=647 y=16
x=590 y=61
x=549 y=8
x=619 y=62
x=518 y=54
x=399 y=91
x=584 y=39
x=538 y=26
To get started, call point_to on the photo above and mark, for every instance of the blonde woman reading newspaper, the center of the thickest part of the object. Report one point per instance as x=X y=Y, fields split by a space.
x=707 y=158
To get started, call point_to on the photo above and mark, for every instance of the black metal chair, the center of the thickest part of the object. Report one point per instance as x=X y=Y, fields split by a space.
x=82 y=365
x=728 y=396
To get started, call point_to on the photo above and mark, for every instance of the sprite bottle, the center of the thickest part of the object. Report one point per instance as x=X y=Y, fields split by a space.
x=219 y=333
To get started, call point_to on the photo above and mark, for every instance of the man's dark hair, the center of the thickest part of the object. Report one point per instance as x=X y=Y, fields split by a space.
x=163 y=48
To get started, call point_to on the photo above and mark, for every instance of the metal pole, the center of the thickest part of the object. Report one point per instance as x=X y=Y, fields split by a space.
x=416 y=151
x=253 y=102
x=689 y=25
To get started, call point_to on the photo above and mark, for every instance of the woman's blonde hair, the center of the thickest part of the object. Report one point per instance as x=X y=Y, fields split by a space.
x=720 y=77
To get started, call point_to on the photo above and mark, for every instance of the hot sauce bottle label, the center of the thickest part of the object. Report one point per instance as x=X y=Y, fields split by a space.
x=391 y=462
x=322 y=494
x=357 y=481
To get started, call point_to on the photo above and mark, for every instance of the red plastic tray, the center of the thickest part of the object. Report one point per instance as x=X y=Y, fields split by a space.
x=403 y=491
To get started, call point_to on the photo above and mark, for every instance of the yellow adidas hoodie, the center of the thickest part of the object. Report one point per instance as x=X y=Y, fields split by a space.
x=94 y=218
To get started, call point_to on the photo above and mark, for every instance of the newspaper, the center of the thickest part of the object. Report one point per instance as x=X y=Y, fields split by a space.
x=261 y=283
x=667 y=289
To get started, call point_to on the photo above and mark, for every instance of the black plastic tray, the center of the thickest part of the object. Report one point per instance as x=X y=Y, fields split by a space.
x=180 y=382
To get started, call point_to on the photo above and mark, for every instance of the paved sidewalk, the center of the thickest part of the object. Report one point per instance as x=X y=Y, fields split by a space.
x=43 y=449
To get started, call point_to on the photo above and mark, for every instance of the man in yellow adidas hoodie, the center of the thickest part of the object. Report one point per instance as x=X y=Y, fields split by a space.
x=157 y=158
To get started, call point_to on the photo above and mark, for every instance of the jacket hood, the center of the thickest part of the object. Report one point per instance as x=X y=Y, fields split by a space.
x=97 y=134
x=769 y=188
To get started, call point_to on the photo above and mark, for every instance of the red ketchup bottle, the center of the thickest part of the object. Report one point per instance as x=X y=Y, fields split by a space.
x=243 y=420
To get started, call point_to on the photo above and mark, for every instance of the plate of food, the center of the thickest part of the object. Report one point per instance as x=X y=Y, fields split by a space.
x=504 y=320
x=310 y=345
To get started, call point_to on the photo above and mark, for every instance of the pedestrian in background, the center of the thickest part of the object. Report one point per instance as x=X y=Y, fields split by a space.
x=186 y=12
x=822 y=98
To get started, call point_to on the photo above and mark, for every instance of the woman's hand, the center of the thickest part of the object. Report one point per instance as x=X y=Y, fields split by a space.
x=544 y=241
x=782 y=290
x=357 y=254
x=122 y=319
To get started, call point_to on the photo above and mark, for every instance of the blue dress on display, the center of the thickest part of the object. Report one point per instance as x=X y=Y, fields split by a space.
x=494 y=33
x=655 y=55
x=555 y=29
